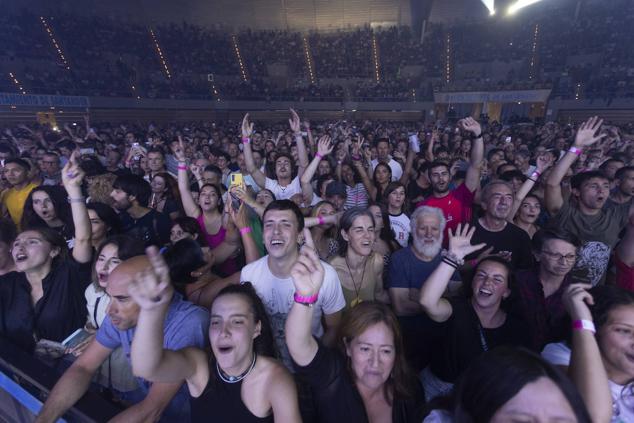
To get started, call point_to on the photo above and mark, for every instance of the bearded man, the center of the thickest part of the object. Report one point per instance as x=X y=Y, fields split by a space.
x=409 y=268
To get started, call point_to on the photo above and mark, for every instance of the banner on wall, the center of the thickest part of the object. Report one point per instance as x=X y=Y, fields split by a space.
x=32 y=100
x=527 y=96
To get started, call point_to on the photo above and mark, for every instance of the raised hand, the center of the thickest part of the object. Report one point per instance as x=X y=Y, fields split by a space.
x=307 y=272
x=576 y=300
x=72 y=174
x=471 y=125
x=151 y=288
x=324 y=146
x=179 y=150
x=247 y=127
x=587 y=134
x=294 y=122
x=460 y=241
x=543 y=162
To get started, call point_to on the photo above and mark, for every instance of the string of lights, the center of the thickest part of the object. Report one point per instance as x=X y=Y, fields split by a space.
x=56 y=45
x=309 y=61
x=533 y=65
x=160 y=53
x=375 y=57
x=17 y=83
x=236 y=47
x=448 y=58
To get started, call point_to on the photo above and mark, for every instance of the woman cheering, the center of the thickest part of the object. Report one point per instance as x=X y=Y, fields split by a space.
x=241 y=382
x=366 y=379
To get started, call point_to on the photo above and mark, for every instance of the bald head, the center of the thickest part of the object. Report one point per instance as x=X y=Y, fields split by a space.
x=122 y=310
x=125 y=272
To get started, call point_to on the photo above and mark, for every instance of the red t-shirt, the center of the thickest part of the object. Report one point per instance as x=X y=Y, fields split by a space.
x=624 y=274
x=456 y=206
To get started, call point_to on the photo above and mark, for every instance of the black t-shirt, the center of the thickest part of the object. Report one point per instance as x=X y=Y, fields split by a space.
x=60 y=311
x=511 y=238
x=153 y=227
x=460 y=340
x=337 y=398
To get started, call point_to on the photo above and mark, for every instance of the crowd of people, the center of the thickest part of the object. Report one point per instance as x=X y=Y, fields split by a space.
x=324 y=271
x=579 y=53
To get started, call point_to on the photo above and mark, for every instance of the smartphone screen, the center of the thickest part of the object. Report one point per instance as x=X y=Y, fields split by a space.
x=76 y=338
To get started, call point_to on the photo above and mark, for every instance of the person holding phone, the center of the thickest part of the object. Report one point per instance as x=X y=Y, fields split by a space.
x=43 y=299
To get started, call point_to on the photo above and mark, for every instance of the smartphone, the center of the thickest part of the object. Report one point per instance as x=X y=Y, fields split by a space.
x=236 y=179
x=135 y=144
x=86 y=151
x=507 y=139
x=76 y=338
x=1 y=162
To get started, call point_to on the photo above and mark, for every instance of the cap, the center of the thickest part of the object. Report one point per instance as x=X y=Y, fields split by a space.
x=336 y=188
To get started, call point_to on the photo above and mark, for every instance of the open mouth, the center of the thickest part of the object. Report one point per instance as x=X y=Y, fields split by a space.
x=277 y=242
x=103 y=277
x=485 y=292
x=225 y=349
x=21 y=257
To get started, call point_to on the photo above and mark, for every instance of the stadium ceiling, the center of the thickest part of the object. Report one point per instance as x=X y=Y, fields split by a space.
x=512 y=9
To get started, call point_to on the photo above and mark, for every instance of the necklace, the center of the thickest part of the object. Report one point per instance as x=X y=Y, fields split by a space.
x=235 y=379
x=357 y=300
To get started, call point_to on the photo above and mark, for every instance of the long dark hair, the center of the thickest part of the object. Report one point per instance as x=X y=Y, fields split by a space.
x=56 y=240
x=356 y=321
x=30 y=218
x=221 y=204
x=390 y=188
x=386 y=233
x=498 y=375
x=379 y=193
x=607 y=298
x=264 y=344
x=107 y=215
x=127 y=247
x=510 y=281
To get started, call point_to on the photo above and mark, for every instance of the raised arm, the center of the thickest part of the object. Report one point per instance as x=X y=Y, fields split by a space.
x=586 y=136
x=586 y=366
x=153 y=292
x=429 y=153
x=239 y=218
x=247 y=131
x=72 y=177
x=436 y=307
x=543 y=163
x=299 y=140
x=409 y=161
x=357 y=162
x=308 y=276
x=189 y=205
x=472 y=179
x=324 y=147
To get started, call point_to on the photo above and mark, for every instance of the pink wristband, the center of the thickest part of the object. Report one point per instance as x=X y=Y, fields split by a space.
x=246 y=140
x=320 y=220
x=319 y=155
x=576 y=151
x=584 y=325
x=307 y=301
x=180 y=167
x=245 y=230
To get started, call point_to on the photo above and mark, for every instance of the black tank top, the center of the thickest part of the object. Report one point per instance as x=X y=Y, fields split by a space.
x=222 y=402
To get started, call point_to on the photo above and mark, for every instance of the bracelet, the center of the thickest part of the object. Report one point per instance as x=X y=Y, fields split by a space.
x=245 y=230
x=529 y=177
x=575 y=150
x=181 y=167
x=475 y=137
x=319 y=155
x=450 y=262
x=451 y=256
x=584 y=325
x=321 y=220
x=356 y=158
x=304 y=300
x=246 y=140
x=77 y=200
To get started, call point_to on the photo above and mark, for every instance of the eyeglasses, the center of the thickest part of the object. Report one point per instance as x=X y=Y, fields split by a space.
x=570 y=258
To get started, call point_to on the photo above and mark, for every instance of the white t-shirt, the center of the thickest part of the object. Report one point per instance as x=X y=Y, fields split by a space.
x=401 y=227
x=622 y=400
x=277 y=296
x=397 y=170
x=283 y=193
